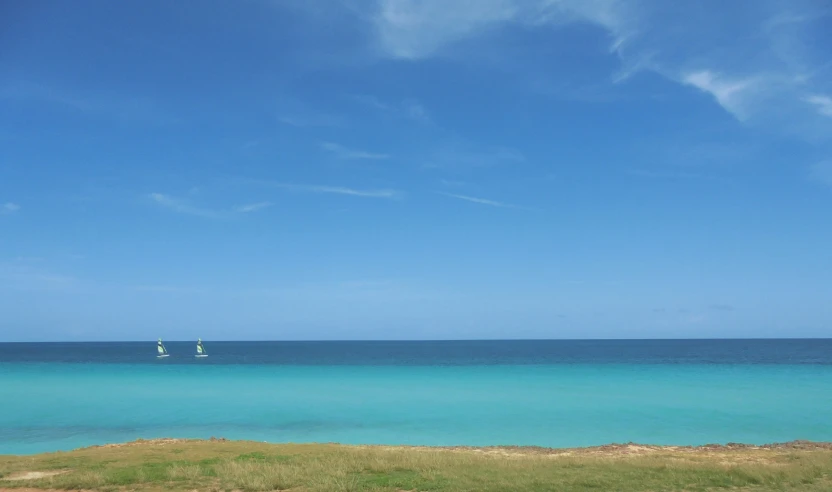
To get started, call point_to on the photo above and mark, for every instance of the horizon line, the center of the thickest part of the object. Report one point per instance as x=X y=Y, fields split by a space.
x=442 y=340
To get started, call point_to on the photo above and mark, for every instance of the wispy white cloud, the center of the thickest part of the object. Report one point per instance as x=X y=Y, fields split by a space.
x=416 y=29
x=481 y=201
x=822 y=103
x=705 y=44
x=340 y=190
x=9 y=208
x=415 y=111
x=354 y=192
x=182 y=206
x=345 y=153
x=413 y=29
x=325 y=189
x=730 y=94
x=120 y=107
x=406 y=108
x=822 y=173
x=252 y=207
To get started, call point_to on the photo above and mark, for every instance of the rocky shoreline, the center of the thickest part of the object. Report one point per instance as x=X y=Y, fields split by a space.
x=613 y=448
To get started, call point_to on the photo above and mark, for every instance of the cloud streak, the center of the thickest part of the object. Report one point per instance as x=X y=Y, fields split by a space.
x=9 y=208
x=415 y=111
x=340 y=190
x=481 y=201
x=407 y=108
x=252 y=207
x=351 y=154
x=702 y=44
x=730 y=94
x=123 y=108
x=350 y=191
x=411 y=29
x=325 y=189
x=181 y=206
x=823 y=104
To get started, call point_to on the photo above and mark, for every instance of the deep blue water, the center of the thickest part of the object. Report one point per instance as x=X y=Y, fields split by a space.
x=433 y=353
x=548 y=393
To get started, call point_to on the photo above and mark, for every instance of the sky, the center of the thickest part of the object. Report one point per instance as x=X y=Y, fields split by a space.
x=404 y=169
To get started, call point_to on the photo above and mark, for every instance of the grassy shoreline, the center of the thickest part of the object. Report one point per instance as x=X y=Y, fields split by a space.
x=179 y=464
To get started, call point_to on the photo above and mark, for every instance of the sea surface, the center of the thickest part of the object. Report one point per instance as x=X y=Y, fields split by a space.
x=60 y=396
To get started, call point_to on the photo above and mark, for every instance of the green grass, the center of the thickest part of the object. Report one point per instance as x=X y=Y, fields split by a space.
x=249 y=466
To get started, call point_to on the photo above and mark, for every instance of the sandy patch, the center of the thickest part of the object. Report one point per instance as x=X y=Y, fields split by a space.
x=25 y=489
x=728 y=454
x=33 y=475
x=156 y=442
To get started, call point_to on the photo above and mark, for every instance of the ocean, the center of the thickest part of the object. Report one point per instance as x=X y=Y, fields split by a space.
x=61 y=396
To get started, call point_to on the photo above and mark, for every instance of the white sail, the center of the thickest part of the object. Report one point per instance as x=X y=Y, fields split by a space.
x=160 y=347
x=200 y=350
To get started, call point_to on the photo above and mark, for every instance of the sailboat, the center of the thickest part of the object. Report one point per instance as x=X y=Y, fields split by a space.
x=200 y=350
x=160 y=347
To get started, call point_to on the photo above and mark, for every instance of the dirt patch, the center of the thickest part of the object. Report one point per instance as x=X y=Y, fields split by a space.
x=156 y=442
x=26 y=489
x=730 y=453
x=141 y=442
x=33 y=475
x=635 y=448
x=625 y=449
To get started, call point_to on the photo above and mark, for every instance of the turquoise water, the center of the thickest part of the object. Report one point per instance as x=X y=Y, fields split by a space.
x=47 y=406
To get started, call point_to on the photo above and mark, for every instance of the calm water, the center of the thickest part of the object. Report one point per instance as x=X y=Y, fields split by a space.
x=548 y=393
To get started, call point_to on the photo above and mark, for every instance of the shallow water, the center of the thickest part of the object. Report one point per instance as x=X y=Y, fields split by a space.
x=562 y=394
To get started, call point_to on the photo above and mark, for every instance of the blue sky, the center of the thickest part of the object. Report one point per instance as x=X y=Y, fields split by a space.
x=382 y=169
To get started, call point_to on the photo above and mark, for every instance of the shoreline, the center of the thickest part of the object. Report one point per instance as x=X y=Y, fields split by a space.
x=612 y=448
x=220 y=464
